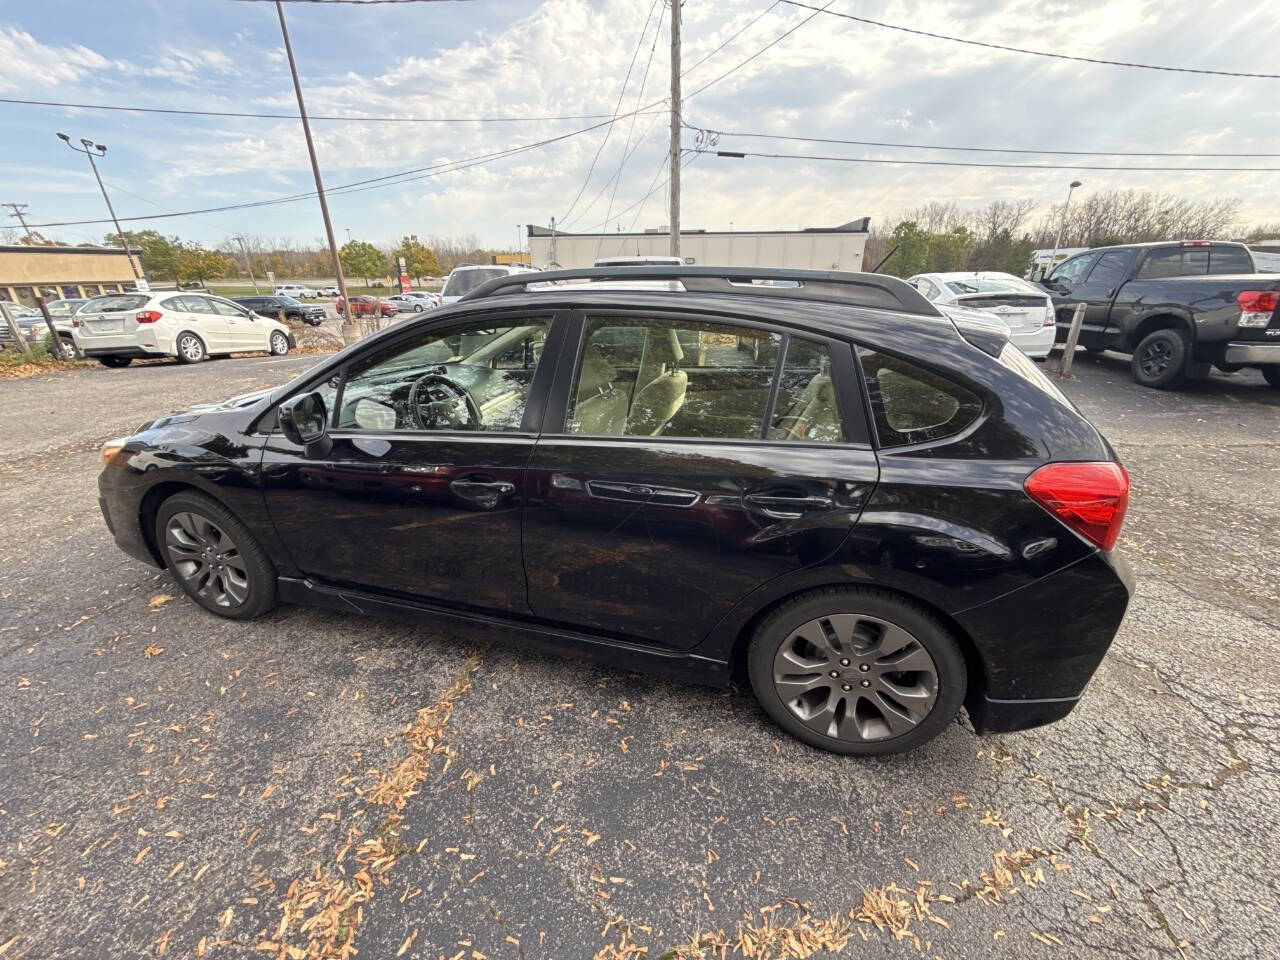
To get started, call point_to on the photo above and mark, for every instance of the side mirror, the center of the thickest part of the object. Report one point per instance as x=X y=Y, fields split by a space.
x=305 y=421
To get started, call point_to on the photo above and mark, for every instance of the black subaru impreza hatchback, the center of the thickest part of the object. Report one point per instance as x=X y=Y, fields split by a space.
x=876 y=512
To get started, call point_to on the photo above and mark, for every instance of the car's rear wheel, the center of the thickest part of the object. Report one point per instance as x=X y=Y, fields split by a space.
x=214 y=557
x=279 y=344
x=115 y=361
x=1160 y=361
x=69 y=348
x=857 y=671
x=190 y=348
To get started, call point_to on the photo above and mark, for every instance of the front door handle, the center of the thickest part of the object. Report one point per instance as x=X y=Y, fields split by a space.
x=786 y=508
x=487 y=494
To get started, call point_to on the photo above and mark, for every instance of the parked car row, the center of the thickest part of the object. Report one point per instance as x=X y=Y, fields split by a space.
x=290 y=308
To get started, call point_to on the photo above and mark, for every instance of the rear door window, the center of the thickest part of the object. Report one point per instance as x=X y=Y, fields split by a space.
x=1111 y=269
x=911 y=404
x=1226 y=258
x=1174 y=262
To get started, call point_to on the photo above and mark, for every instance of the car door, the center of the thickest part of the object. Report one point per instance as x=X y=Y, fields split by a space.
x=243 y=332
x=1062 y=283
x=685 y=461
x=206 y=321
x=416 y=498
x=1096 y=291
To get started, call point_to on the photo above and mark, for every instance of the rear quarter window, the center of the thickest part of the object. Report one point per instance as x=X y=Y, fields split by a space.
x=911 y=404
x=1229 y=259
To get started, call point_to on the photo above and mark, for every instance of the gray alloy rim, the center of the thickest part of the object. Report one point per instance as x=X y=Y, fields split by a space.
x=1155 y=359
x=207 y=559
x=279 y=344
x=855 y=677
x=191 y=347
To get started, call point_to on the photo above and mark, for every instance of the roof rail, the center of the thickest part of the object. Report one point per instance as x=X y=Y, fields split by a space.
x=830 y=286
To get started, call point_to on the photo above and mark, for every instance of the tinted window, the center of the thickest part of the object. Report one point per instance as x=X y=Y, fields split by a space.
x=1073 y=271
x=110 y=304
x=443 y=379
x=913 y=405
x=987 y=285
x=649 y=377
x=806 y=407
x=464 y=281
x=1229 y=259
x=1174 y=262
x=1111 y=269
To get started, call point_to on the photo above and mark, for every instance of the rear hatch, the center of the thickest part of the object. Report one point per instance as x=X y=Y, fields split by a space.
x=1022 y=312
x=111 y=316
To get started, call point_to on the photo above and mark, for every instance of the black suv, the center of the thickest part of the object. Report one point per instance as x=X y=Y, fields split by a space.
x=284 y=308
x=814 y=479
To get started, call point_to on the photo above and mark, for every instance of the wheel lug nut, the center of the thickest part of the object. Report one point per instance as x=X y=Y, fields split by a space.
x=835 y=673
x=864 y=667
x=846 y=687
x=866 y=683
x=844 y=661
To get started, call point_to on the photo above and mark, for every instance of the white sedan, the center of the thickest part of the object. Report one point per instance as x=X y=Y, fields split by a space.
x=116 y=328
x=1025 y=309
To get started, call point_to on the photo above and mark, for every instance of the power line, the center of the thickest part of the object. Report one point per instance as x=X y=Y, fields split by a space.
x=618 y=106
x=355 y=186
x=293 y=116
x=929 y=146
x=354 y=3
x=1013 y=166
x=760 y=16
x=1034 y=53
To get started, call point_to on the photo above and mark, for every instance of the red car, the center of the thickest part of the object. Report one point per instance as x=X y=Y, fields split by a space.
x=363 y=306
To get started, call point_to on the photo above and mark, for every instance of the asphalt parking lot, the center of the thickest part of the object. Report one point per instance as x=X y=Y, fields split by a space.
x=180 y=785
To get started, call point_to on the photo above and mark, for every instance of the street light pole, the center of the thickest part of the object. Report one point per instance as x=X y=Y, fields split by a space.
x=349 y=328
x=88 y=148
x=673 y=158
x=247 y=262
x=1062 y=223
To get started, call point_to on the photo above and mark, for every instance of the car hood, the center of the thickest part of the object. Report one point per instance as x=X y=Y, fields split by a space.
x=242 y=402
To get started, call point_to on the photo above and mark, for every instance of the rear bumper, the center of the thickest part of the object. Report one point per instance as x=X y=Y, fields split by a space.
x=1036 y=344
x=1244 y=352
x=1041 y=644
x=131 y=350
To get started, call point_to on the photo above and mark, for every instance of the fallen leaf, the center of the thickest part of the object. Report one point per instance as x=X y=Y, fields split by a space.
x=159 y=600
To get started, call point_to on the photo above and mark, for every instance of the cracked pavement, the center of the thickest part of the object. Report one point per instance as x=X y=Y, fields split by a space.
x=170 y=776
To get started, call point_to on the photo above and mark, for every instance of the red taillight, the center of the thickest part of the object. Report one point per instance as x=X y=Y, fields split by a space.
x=1258 y=301
x=1090 y=498
x=148 y=316
x=1195 y=243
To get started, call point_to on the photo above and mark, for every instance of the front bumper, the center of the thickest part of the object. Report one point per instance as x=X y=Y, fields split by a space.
x=1246 y=352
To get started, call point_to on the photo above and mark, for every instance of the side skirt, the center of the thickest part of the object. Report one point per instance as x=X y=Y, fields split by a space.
x=677 y=664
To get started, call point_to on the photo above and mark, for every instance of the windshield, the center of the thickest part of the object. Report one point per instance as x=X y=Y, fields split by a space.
x=291 y=301
x=464 y=281
x=64 y=308
x=114 y=302
x=986 y=285
x=18 y=310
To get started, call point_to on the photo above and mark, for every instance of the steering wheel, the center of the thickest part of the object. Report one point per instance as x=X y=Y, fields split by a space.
x=434 y=402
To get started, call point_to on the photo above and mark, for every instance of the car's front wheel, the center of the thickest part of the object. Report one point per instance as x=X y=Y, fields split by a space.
x=857 y=671
x=279 y=344
x=190 y=348
x=214 y=557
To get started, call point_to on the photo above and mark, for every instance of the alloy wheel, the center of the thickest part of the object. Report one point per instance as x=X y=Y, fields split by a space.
x=191 y=347
x=855 y=677
x=279 y=344
x=1155 y=359
x=207 y=559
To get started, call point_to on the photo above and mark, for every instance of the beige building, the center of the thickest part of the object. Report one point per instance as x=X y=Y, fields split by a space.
x=68 y=271
x=813 y=248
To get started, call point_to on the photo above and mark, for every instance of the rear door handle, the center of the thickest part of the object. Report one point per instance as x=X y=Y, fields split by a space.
x=786 y=508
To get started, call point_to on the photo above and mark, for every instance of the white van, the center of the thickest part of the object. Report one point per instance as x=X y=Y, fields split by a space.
x=462 y=280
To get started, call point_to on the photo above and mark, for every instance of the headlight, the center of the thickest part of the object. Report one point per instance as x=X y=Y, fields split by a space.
x=111 y=448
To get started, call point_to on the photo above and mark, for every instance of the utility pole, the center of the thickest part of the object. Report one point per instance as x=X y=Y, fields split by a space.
x=18 y=210
x=247 y=262
x=89 y=146
x=554 y=262
x=349 y=330
x=675 y=129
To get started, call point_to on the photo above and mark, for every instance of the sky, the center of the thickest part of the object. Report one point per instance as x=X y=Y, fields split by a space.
x=526 y=61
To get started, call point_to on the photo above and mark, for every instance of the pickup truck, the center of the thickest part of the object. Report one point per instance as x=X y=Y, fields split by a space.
x=1177 y=307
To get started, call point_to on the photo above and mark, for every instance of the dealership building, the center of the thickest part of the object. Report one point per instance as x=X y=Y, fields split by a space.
x=812 y=248
x=63 y=272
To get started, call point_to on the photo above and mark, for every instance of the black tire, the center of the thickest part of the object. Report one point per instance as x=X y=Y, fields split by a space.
x=242 y=582
x=279 y=344
x=881 y=611
x=190 y=348
x=69 y=348
x=315 y=321
x=1271 y=373
x=115 y=362
x=1160 y=359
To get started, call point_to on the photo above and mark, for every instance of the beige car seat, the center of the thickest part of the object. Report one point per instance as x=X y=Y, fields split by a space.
x=814 y=416
x=601 y=407
x=664 y=385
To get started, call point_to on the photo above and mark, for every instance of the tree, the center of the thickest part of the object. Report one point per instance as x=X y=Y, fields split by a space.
x=196 y=264
x=159 y=254
x=419 y=259
x=360 y=259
